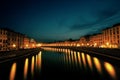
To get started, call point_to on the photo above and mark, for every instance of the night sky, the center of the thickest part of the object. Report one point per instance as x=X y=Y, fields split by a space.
x=49 y=20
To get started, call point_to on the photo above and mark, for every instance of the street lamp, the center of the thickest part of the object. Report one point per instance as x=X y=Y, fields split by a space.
x=107 y=43
x=14 y=45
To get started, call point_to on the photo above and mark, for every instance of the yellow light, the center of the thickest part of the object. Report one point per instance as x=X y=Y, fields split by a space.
x=32 y=65
x=26 y=45
x=97 y=64
x=107 y=43
x=26 y=68
x=95 y=44
x=13 y=71
x=89 y=61
x=78 y=45
x=14 y=45
x=87 y=44
x=110 y=69
x=38 y=45
x=82 y=44
x=33 y=45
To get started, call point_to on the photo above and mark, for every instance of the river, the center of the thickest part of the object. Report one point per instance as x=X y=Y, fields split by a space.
x=54 y=64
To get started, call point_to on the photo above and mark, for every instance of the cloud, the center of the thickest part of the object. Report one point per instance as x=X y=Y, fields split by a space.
x=81 y=26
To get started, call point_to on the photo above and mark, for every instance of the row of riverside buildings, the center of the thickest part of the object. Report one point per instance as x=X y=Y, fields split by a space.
x=108 y=38
x=11 y=40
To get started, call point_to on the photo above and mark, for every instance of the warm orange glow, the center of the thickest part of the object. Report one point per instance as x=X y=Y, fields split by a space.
x=89 y=61
x=110 y=69
x=33 y=45
x=78 y=45
x=97 y=64
x=82 y=44
x=83 y=58
x=26 y=45
x=72 y=57
x=95 y=44
x=14 y=45
x=32 y=66
x=26 y=68
x=75 y=57
x=69 y=58
x=87 y=44
x=79 y=59
x=107 y=43
x=39 y=60
x=39 y=45
x=13 y=72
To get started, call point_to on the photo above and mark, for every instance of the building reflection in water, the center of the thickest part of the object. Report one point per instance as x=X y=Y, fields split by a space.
x=79 y=59
x=39 y=61
x=97 y=64
x=89 y=60
x=110 y=70
x=75 y=60
x=25 y=68
x=32 y=65
x=83 y=59
x=13 y=72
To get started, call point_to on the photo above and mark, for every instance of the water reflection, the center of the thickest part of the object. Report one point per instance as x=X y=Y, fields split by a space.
x=110 y=69
x=89 y=60
x=83 y=59
x=39 y=61
x=80 y=61
x=13 y=71
x=32 y=65
x=25 y=68
x=97 y=64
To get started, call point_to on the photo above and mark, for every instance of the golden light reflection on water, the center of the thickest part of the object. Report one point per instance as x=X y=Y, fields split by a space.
x=25 y=68
x=72 y=57
x=97 y=64
x=83 y=59
x=13 y=71
x=89 y=61
x=69 y=59
x=36 y=60
x=39 y=60
x=32 y=65
x=79 y=59
x=110 y=69
x=75 y=58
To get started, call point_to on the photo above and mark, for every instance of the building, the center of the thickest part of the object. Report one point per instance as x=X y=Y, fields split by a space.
x=11 y=40
x=95 y=40
x=32 y=43
x=108 y=38
x=84 y=41
x=111 y=37
x=3 y=40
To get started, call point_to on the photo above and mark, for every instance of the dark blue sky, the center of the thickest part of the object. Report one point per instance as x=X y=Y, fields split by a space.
x=48 y=20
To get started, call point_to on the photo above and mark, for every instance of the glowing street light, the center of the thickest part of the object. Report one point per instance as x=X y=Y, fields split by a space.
x=14 y=45
x=107 y=43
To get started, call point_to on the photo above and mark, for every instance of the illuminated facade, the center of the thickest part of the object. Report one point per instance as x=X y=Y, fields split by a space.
x=32 y=43
x=26 y=42
x=111 y=37
x=95 y=40
x=11 y=40
x=3 y=39
x=108 y=38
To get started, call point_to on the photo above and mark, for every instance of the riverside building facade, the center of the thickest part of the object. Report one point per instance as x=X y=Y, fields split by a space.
x=108 y=38
x=11 y=40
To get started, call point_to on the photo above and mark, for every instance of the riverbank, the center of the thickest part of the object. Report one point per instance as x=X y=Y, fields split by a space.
x=16 y=53
x=104 y=52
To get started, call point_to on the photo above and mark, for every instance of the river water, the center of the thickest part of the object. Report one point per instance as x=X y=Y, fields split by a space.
x=56 y=64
